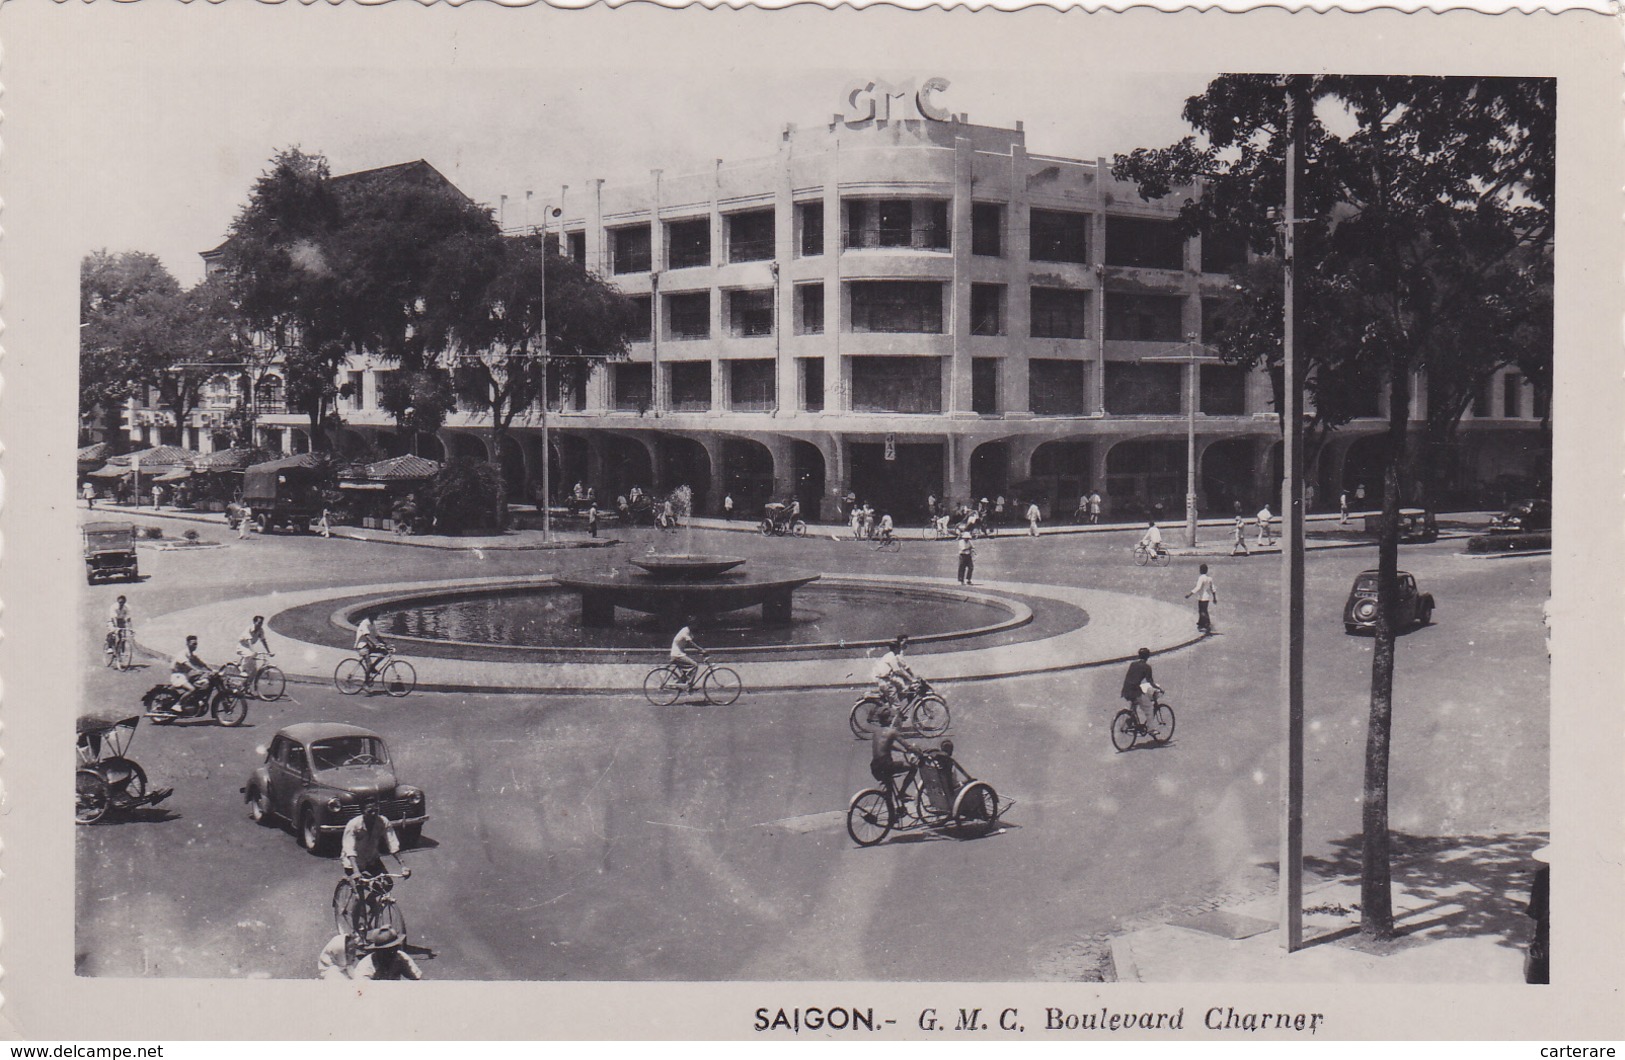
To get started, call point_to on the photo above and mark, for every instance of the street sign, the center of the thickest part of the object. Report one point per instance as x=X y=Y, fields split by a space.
x=891 y=447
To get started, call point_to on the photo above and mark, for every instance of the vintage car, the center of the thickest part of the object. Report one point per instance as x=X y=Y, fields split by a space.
x=1360 y=612
x=1416 y=525
x=1523 y=517
x=317 y=776
x=110 y=552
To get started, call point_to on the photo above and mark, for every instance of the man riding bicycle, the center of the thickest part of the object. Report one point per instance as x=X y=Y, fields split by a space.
x=370 y=646
x=1138 y=686
x=882 y=742
x=891 y=673
x=686 y=667
x=1152 y=540
x=118 y=618
x=248 y=655
x=886 y=527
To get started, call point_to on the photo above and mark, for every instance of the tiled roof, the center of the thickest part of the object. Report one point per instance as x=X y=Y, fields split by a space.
x=159 y=456
x=231 y=459
x=395 y=469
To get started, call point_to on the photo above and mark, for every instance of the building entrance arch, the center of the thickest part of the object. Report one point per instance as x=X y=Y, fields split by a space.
x=1228 y=475
x=747 y=474
x=683 y=462
x=808 y=473
x=990 y=470
x=901 y=485
x=1059 y=474
x=1146 y=477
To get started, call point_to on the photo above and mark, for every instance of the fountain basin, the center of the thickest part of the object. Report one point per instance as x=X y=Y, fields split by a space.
x=602 y=591
x=687 y=567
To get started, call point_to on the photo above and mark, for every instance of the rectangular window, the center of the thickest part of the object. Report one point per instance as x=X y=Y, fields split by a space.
x=1512 y=394
x=1216 y=318
x=896 y=222
x=1059 y=236
x=578 y=247
x=750 y=236
x=921 y=224
x=643 y=317
x=986 y=309
x=630 y=249
x=1223 y=389
x=689 y=385
x=857 y=221
x=633 y=386
x=688 y=316
x=897 y=306
x=987 y=229
x=810 y=309
x=688 y=244
x=1139 y=242
x=984 y=386
x=897 y=384
x=1481 y=400
x=1538 y=402
x=565 y=393
x=1055 y=387
x=810 y=222
x=752 y=386
x=812 y=384
x=1224 y=251
x=750 y=314
x=1058 y=313
x=1142 y=389
x=353 y=380
x=1143 y=317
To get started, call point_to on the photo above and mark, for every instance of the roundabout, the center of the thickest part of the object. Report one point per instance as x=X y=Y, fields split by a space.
x=1074 y=628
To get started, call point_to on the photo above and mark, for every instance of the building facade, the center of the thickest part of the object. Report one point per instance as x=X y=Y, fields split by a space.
x=902 y=305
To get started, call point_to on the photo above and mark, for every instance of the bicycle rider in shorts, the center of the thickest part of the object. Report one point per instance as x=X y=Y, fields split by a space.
x=681 y=645
x=892 y=675
x=370 y=646
x=1138 y=684
x=118 y=617
x=882 y=743
x=247 y=654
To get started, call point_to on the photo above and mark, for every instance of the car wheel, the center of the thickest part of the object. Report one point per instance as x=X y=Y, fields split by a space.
x=259 y=806
x=310 y=833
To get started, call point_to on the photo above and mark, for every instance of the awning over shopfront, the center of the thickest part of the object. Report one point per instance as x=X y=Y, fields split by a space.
x=231 y=460
x=179 y=474
x=155 y=459
x=397 y=469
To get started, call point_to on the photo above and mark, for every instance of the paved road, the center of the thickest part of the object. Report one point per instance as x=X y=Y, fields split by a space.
x=596 y=837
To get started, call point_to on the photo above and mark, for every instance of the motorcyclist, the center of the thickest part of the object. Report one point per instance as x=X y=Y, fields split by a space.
x=188 y=672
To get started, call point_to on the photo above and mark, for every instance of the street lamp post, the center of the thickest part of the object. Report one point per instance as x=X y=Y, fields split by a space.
x=1192 y=357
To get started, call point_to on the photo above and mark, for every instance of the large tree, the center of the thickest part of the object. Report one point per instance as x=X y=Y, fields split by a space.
x=1422 y=202
x=125 y=311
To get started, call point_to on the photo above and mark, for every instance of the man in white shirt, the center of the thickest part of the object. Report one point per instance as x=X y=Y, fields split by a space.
x=681 y=645
x=1206 y=593
x=247 y=653
x=1152 y=540
x=1264 y=520
x=891 y=673
x=1033 y=516
x=118 y=617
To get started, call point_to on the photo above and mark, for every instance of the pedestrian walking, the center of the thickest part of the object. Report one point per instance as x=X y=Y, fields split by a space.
x=1094 y=506
x=89 y=494
x=967 y=558
x=857 y=523
x=727 y=508
x=1033 y=517
x=243 y=525
x=592 y=519
x=1343 y=507
x=157 y=496
x=1206 y=594
x=324 y=525
x=1264 y=520
x=1238 y=543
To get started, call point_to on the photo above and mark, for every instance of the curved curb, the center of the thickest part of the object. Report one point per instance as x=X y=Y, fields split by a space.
x=1119 y=625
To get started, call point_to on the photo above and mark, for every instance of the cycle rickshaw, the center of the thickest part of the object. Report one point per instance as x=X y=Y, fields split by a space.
x=779 y=520
x=936 y=793
x=106 y=780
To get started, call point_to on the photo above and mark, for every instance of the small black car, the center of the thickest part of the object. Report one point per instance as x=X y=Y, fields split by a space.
x=1523 y=517
x=1360 y=612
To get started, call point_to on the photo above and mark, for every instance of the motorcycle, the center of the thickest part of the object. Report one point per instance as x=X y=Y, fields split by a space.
x=220 y=698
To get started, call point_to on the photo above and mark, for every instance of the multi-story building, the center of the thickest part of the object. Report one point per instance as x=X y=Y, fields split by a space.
x=899 y=306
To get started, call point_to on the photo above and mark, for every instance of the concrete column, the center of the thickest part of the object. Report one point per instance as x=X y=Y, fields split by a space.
x=1265 y=488
x=784 y=479
x=837 y=383
x=837 y=474
x=957 y=399
x=784 y=303
x=1018 y=293
x=1098 y=448
x=712 y=444
x=958 y=460
x=1021 y=451
x=595 y=465
x=1097 y=303
x=597 y=259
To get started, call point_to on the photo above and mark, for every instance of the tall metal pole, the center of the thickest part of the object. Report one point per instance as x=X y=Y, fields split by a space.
x=1192 y=370
x=547 y=451
x=1291 y=860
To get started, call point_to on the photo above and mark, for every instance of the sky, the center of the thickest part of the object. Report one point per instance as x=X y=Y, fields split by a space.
x=164 y=116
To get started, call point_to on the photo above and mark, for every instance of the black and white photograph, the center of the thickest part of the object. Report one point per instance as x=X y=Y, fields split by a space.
x=1026 y=524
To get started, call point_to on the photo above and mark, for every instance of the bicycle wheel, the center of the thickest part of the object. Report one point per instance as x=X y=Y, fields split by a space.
x=1162 y=723
x=91 y=797
x=862 y=719
x=1163 y=558
x=1141 y=557
x=890 y=544
x=348 y=677
x=931 y=715
x=269 y=684
x=136 y=786
x=390 y=915
x=1123 y=730
x=766 y=527
x=662 y=686
x=976 y=807
x=869 y=817
x=721 y=686
x=345 y=907
x=798 y=528
x=399 y=678
x=124 y=651
x=232 y=675
x=231 y=706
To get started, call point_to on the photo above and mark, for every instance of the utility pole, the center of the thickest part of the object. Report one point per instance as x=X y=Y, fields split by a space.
x=1191 y=358
x=1291 y=860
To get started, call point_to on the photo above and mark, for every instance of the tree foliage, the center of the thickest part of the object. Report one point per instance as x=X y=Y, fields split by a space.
x=126 y=302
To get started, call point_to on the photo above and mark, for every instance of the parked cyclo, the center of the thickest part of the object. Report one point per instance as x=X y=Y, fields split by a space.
x=107 y=779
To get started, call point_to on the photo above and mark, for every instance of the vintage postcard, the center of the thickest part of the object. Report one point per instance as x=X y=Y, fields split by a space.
x=853 y=525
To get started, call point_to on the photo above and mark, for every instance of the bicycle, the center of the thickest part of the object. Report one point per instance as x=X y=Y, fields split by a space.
x=886 y=543
x=1126 y=730
x=363 y=903
x=923 y=710
x=121 y=652
x=1156 y=555
x=268 y=683
x=351 y=676
x=666 y=684
x=952 y=798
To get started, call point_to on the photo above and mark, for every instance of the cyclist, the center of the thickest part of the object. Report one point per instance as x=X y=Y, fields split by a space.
x=385 y=958
x=885 y=740
x=370 y=646
x=189 y=672
x=891 y=673
x=1138 y=685
x=1152 y=540
x=367 y=837
x=118 y=618
x=247 y=655
x=681 y=645
x=885 y=527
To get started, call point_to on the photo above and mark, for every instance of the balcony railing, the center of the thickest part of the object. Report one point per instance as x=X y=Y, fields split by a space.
x=931 y=237
x=750 y=249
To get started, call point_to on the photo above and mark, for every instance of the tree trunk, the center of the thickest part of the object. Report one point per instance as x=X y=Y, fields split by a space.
x=1376 y=892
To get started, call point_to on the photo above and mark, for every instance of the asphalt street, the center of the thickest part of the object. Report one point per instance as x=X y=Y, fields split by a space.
x=599 y=838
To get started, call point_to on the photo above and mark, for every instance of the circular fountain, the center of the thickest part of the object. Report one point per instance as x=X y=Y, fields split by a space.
x=673 y=586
